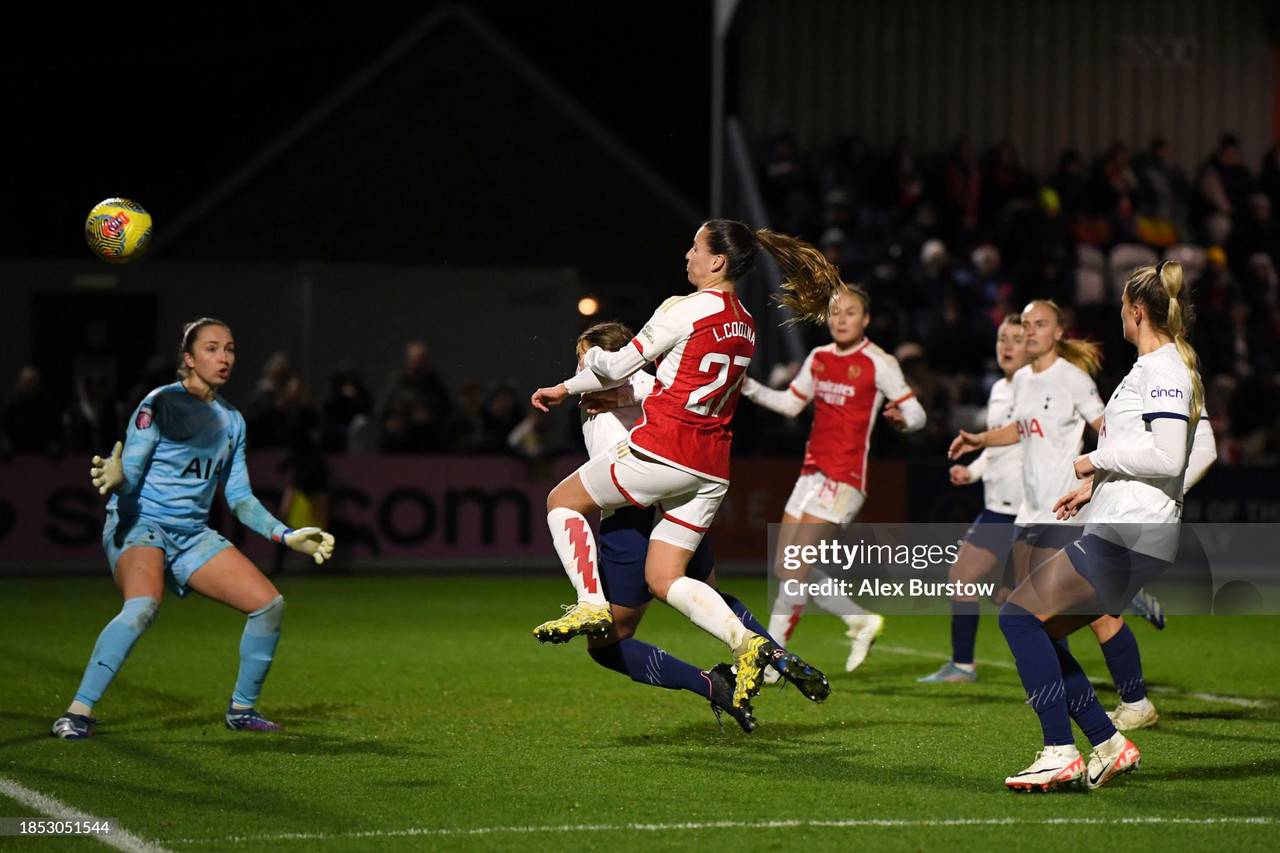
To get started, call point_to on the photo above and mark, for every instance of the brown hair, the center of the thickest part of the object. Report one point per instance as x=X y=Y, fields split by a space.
x=611 y=336
x=1162 y=291
x=190 y=332
x=1086 y=355
x=854 y=290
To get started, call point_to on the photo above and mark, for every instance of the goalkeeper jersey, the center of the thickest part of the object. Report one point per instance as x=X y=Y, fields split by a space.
x=178 y=449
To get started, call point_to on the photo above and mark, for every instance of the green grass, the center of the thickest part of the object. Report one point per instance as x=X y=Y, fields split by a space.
x=424 y=705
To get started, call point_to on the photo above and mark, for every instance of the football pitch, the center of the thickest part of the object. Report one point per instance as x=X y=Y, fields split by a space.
x=420 y=713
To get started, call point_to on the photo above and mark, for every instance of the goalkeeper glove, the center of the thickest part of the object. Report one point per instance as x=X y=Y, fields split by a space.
x=311 y=541
x=108 y=473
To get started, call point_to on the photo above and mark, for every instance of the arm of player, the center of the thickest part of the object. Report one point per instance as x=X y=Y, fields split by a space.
x=1204 y=452
x=122 y=471
x=252 y=514
x=1164 y=456
x=977 y=468
x=788 y=403
x=905 y=415
x=967 y=442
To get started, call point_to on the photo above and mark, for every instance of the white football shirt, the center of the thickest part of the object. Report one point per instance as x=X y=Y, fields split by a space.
x=1051 y=409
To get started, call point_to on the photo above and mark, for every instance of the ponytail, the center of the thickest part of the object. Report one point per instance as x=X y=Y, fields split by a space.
x=1162 y=290
x=811 y=280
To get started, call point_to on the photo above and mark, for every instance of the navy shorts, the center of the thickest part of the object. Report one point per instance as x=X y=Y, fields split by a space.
x=623 y=544
x=1052 y=536
x=992 y=531
x=1115 y=572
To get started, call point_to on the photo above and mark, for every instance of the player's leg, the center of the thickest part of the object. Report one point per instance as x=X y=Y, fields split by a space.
x=825 y=508
x=227 y=576
x=139 y=573
x=1056 y=600
x=1124 y=661
x=985 y=550
x=567 y=508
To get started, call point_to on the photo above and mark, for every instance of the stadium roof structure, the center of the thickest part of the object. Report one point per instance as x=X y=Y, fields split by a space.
x=450 y=148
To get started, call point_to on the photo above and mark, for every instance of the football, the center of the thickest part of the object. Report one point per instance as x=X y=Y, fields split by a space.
x=118 y=230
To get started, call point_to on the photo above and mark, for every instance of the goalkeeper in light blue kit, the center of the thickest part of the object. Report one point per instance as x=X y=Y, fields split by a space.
x=183 y=441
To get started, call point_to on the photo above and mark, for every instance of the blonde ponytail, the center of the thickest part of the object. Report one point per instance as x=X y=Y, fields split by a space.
x=1162 y=290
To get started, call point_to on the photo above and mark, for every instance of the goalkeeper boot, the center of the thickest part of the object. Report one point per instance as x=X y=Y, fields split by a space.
x=750 y=658
x=249 y=720
x=723 y=682
x=807 y=679
x=1054 y=767
x=72 y=726
x=1147 y=606
x=590 y=620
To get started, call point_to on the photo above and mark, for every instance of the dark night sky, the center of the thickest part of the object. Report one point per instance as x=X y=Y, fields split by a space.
x=160 y=111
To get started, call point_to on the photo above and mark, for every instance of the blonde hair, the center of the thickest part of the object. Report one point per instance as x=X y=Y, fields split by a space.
x=812 y=282
x=1085 y=355
x=1162 y=291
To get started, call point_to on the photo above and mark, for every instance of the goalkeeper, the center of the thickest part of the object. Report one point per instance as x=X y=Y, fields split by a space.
x=183 y=441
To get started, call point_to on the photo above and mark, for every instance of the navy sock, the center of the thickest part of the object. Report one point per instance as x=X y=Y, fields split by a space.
x=648 y=664
x=1125 y=663
x=1037 y=661
x=753 y=624
x=1082 y=702
x=964 y=630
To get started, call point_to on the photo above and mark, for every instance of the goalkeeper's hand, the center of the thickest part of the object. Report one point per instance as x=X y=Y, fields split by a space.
x=311 y=541
x=108 y=473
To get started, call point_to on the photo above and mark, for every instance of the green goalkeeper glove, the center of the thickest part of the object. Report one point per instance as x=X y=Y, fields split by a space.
x=108 y=473
x=311 y=541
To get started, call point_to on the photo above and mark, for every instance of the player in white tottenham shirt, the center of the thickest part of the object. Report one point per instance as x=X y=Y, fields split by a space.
x=677 y=456
x=987 y=543
x=1054 y=398
x=849 y=382
x=1140 y=469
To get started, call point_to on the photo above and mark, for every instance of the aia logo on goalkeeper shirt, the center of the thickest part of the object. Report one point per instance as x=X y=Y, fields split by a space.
x=144 y=417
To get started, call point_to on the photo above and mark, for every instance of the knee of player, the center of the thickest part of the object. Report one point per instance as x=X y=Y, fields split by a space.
x=270 y=615
x=140 y=612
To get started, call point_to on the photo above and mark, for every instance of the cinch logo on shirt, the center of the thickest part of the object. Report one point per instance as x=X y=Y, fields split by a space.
x=1026 y=429
x=1166 y=392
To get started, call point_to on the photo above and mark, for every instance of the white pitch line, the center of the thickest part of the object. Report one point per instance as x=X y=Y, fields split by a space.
x=729 y=824
x=49 y=807
x=1240 y=701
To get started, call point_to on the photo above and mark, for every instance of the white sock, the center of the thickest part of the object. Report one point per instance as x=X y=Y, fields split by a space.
x=1112 y=745
x=78 y=707
x=967 y=667
x=832 y=601
x=576 y=547
x=1143 y=705
x=785 y=613
x=704 y=607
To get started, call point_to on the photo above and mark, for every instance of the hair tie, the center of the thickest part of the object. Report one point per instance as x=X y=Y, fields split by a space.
x=1160 y=268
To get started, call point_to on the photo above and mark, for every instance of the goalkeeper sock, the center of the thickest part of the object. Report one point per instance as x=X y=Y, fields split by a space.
x=576 y=547
x=257 y=649
x=648 y=664
x=113 y=647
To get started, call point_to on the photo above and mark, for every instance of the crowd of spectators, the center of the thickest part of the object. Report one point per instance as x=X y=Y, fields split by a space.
x=946 y=243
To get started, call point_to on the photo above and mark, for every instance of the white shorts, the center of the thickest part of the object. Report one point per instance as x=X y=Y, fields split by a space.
x=687 y=502
x=818 y=495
